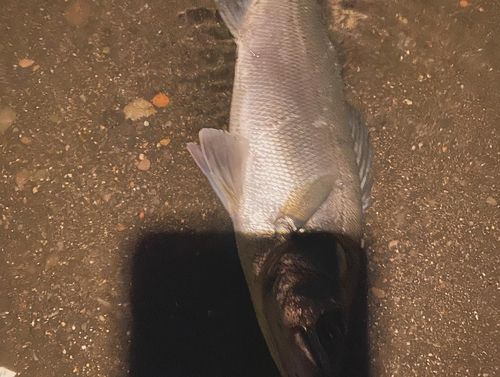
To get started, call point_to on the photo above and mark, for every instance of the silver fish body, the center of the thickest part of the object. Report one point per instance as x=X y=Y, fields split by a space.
x=292 y=170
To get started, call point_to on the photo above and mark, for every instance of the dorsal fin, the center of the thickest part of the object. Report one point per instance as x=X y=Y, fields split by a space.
x=364 y=153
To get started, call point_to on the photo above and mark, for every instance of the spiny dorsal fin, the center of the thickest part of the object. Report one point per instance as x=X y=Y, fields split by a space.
x=364 y=153
x=221 y=157
x=233 y=12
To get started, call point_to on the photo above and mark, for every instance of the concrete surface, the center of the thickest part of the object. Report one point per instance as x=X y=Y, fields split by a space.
x=111 y=267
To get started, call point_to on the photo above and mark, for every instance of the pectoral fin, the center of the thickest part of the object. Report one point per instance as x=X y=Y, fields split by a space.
x=221 y=157
x=305 y=201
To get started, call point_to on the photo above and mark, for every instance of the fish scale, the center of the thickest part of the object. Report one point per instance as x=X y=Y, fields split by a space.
x=267 y=94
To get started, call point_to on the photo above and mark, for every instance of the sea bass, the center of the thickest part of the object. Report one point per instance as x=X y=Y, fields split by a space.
x=293 y=173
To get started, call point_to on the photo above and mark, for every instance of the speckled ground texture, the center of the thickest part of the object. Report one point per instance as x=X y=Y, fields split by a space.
x=110 y=270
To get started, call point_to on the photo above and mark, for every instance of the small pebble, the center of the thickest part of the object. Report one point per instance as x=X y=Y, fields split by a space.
x=393 y=243
x=379 y=293
x=491 y=201
x=22 y=178
x=54 y=118
x=7 y=117
x=164 y=142
x=139 y=108
x=161 y=100
x=144 y=164
x=25 y=63
x=77 y=13
x=408 y=102
x=52 y=261
x=60 y=245
x=103 y=302
x=26 y=140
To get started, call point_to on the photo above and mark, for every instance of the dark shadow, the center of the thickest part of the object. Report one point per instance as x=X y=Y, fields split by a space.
x=192 y=313
x=358 y=346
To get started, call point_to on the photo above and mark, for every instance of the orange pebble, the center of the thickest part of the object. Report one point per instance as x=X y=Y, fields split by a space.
x=463 y=3
x=161 y=100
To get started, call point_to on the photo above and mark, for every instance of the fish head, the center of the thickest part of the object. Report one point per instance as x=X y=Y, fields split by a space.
x=306 y=306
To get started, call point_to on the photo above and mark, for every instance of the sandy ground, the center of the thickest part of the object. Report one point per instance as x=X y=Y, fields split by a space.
x=115 y=256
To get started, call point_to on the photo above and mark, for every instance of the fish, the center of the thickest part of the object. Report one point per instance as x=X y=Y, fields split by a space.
x=293 y=172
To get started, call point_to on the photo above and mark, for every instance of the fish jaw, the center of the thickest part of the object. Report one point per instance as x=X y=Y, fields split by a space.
x=301 y=284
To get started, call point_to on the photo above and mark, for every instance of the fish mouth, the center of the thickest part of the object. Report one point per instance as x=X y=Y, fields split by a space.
x=317 y=351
